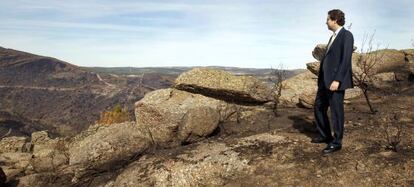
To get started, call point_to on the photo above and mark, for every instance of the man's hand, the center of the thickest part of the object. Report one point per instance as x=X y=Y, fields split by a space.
x=334 y=86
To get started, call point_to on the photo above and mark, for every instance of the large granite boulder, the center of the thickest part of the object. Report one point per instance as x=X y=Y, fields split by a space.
x=223 y=85
x=319 y=51
x=14 y=163
x=15 y=156
x=298 y=86
x=40 y=154
x=388 y=60
x=174 y=116
x=300 y=90
x=48 y=154
x=14 y=144
x=108 y=146
x=314 y=66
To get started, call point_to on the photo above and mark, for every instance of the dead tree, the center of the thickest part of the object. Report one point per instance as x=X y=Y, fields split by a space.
x=277 y=76
x=370 y=57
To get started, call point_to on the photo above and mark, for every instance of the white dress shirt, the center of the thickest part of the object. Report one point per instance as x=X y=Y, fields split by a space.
x=333 y=37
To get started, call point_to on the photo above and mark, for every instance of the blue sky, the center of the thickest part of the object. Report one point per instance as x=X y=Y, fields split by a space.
x=255 y=34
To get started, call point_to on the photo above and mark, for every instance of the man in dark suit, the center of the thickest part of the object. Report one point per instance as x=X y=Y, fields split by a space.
x=335 y=75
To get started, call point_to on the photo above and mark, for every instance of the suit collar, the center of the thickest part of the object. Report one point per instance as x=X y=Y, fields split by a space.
x=340 y=32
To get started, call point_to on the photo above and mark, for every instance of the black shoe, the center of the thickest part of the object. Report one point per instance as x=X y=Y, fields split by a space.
x=321 y=140
x=331 y=148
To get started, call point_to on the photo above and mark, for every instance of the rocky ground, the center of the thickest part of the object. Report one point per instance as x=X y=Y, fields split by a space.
x=212 y=128
x=279 y=156
x=284 y=156
x=363 y=161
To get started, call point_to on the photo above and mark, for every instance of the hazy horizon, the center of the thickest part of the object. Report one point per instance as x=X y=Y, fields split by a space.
x=145 y=34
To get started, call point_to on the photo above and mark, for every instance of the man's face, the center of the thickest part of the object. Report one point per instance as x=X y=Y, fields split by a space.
x=330 y=23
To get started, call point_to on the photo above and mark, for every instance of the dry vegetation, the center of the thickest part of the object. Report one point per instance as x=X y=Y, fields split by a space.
x=116 y=115
x=277 y=77
x=366 y=63
x=393 y=129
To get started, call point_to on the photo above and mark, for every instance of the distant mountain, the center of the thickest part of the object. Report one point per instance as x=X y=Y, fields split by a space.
x=44 y=93
x=38 y=93
x=176 y=70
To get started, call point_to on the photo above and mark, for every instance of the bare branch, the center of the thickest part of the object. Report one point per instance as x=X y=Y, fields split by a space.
x=371 y=56
x=350 y=26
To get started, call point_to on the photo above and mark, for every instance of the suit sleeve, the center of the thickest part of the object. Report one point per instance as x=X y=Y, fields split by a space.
x=346 y=61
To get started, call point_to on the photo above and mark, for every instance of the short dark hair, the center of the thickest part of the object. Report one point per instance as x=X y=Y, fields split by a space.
x=337 y=15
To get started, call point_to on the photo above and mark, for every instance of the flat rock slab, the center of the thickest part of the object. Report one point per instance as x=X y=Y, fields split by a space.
x=223 y=85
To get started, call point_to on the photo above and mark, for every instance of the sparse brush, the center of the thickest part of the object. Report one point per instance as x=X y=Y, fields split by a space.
x=277 y=77
x=393 y=131
x=116 y=115
x=370 y=57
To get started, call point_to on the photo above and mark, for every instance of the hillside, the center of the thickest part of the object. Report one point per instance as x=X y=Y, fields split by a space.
x=44 y=93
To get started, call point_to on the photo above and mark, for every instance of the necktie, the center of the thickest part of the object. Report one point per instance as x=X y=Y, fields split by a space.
x=330 y=42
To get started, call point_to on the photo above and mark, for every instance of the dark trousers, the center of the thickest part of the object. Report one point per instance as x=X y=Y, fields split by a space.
x=335 y=100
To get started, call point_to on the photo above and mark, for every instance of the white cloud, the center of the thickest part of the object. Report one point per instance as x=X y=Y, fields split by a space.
x=187 y=33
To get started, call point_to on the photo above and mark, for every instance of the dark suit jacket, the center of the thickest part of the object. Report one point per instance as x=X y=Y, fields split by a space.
x=337 y=63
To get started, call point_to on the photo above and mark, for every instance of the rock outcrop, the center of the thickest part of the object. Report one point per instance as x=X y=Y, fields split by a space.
x=299 y=87
x=40 y=154
x=174 y=117
x=108 y=146
x=221 y=84
x=389 y=60
x=319 y=51
x=206 y=164
x=14 y=144
x=48 y=154
x=392 y=66
x=200 y=100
